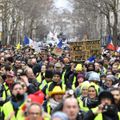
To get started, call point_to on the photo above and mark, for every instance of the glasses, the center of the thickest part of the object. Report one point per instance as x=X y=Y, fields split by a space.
x=33 y=113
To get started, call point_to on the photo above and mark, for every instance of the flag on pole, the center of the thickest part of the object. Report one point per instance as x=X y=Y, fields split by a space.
x=91 y=59
x=110 y=44
x=118 y=49
x=26 y=40
x=59 y=45
x=18 y=46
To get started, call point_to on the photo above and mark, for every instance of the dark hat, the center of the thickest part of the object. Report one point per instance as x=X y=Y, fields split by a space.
x=36 y=68
x=57 y=73
x=80 y=76
x=106 y=94
x=48 y=74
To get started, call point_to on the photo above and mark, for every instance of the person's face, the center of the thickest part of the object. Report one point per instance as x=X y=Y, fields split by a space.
x=90 y=67
x=56 y=78
x=116 y=95
x=10 y=79
x=18 y=63
x=92 y=92
x=2 y=70
x=106 y=101
x=2 y=60
x=80 y=80
x=17 y=89
x=43 y=68
x=84 y=92
x=59 y=69
x=30 y=74
x=103 y=79
x=51 y=68
x=97 y=66
x=35 y=113
x=71 y=108
x=114 y=68
x=106 y=62
x=58 y=97
x=108 y=82
x=24 y=86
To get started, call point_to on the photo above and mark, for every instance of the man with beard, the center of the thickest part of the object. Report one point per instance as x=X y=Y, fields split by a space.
x=17 y=64
x=11 y=109
x=107 y=109
x=116 y=94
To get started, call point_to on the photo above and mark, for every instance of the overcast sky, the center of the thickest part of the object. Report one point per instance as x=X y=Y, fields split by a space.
x=63 y=4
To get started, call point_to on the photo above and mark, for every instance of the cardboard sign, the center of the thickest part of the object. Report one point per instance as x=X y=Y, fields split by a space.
x=84 y=49
x=57 y=51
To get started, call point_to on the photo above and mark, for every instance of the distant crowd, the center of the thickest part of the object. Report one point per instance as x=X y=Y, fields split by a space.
x=42 y=86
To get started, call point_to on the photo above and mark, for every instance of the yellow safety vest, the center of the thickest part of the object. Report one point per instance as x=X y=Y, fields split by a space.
x=48 y=108
x=7 y=109
x=6 y=92
x=63 y=77
x=43 y=84
x=82 y=107
x=39 y=78
x=47 y=89
x=74 y=81
x=99 y=116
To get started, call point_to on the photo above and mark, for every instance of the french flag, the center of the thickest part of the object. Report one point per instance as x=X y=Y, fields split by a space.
x=110 y=44
x=118 y=49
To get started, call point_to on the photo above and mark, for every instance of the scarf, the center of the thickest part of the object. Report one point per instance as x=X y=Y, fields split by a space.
x=53 y=103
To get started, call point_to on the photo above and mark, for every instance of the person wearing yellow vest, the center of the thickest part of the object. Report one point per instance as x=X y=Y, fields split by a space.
x=11 y=109
x=35 y=112
x=80 y=79
x=55 y=98
x=56 y=82
x=91 y=100
x=48 y=78
x=5 y=92
x=73 y=78
x=106 y=110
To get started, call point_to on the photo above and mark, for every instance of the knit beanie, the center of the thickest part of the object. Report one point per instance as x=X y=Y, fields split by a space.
x=94 y=76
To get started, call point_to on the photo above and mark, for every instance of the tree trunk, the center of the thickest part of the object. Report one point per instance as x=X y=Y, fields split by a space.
x=115 y=30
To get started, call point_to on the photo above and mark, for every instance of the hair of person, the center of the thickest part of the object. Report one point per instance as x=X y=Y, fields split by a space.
x=16 y=83
x=115 y=89
x=29 y=107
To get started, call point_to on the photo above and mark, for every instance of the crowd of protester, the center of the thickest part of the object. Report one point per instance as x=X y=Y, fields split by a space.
x=43 y=86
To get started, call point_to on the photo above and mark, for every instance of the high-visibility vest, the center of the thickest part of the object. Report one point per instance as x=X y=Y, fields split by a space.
x=6 y=92
x=81 y=105
x=47 y=89
x=63 y=76
x=74 y=81
x=7 y=109
x=43 y=84
x=39 y=78
x=99 y=116
x=48 y=108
